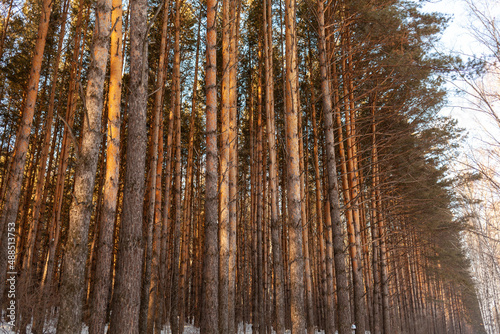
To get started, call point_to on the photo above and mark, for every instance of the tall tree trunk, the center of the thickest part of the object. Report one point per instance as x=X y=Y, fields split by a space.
x=110 y=195
x=374 y=230
x=273 y=170
x=15 y=174
x=32 y=234
x=381 y=234
x=127 y=291
x=353 y=225
x=253 y=208
x=5 y=25
x=73 y=276
x=292 y=109
x=164 y=251
x=343 y=304
x=326 y=259
x=234 y=13
x=384 y=277
x=305 y=229
x=55 y=228
x=153 y=185
x=155 y=259
x=199 y=248
x=188 y=194
x=258 y=242
x=42 y=181
x=174 y=311
x=224 y=173
x=209 y=316
x=38 y=316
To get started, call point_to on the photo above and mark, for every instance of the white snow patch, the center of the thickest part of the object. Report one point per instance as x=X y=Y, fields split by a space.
x=50 y=328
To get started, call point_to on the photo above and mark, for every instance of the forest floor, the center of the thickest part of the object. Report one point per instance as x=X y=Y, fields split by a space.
x=188 y=329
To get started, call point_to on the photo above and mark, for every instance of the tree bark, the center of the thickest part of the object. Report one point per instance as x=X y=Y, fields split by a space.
x=165 y=223
x=224 y=173
x=55 y=227
x=154 y=310
x=146 y=317
x=174 y=311
x=209 y=316
x=15 y=174
x=343 y=304
x=353 y=226
x=305 y=230
x=234 y=13
x=73 y=275
x=188 y=194
x=45 y=150
x=127 y=291
x=5 y=26
x=110 y=193
x=292 y=108
x=273 y=171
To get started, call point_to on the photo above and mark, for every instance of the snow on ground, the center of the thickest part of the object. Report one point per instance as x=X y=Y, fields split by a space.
x=188 y=329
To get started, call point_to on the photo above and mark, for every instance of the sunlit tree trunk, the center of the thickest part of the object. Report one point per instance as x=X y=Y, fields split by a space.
x=27 y=263
x=153 y=308
x=174 y=311
x=110 y=192
x=209 y=316
x=152 y=179
x=73 y=275
x=42 y=181
x=234 y=13
x=384 y=277
x=343 y=304
x=273 y=170
x=374 y=230
x=5 y=26
x=353 y=226
x=15 y=174
x=165 y=244
x=127 y=291
x=305 y=231
x=258 y=241
x=55 y=226
x=292 y=109
x=326 y=259
x=224 y=172
x=188 y=195
x=156 y=215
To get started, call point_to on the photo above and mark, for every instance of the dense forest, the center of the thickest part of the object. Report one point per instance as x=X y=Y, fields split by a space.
x=229 y=165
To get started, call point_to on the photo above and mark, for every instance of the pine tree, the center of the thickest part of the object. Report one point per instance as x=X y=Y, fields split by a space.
x=126 y=295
